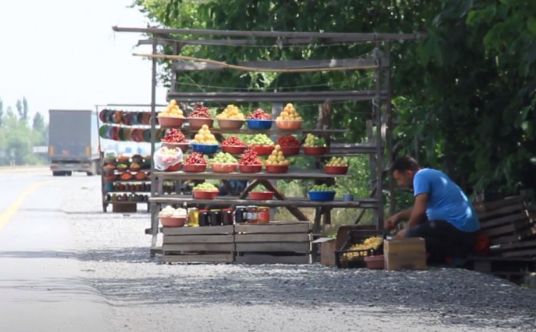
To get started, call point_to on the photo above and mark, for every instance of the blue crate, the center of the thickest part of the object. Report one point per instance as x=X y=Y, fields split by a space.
x=259 y=124
x=321 y=196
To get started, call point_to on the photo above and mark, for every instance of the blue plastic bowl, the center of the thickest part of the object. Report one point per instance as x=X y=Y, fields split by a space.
x=259 y=124
x=205 y=148
x=321 y=195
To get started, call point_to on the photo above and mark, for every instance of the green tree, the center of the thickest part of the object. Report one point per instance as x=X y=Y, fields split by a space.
x=466 y=93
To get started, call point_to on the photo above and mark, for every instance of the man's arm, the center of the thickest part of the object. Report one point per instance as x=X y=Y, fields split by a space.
x=418 y=212
x=391 y=222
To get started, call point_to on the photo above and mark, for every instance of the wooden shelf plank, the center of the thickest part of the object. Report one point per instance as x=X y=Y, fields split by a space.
x=291 y=175
x=273 y=97
x=362 y=203
x=180 y=66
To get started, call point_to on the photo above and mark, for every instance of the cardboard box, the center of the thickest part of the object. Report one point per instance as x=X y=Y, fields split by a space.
x=327 y=250
x=405 y=254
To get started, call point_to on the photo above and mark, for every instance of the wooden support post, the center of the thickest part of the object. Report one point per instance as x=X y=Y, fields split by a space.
x=296 y=212
x=379 y=142
x=389 y=129
x=228 y=187
x=276 y=111
x=249 y=187
x=153 y=207
x=316 y=230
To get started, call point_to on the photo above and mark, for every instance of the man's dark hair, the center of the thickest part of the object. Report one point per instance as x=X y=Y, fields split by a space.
x=405 y=163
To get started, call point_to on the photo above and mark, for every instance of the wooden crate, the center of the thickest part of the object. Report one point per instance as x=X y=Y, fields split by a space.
x=273 y=243
x=505 y=221
x=214 y=244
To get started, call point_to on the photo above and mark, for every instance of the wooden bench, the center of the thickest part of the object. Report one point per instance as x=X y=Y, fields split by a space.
x=506 y=221
x=511 y=230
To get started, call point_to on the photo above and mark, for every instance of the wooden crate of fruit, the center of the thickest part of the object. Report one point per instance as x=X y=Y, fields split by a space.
x=274 y=243
x=213 y=244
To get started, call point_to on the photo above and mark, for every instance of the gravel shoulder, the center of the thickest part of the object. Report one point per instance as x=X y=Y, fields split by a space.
x=146 y=295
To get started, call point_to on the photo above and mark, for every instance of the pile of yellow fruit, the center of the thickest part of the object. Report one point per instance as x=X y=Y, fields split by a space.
x=231 y=112
x=338 y=161
x=277 y=158
x=204 y=136
x=172 y=110
x=371 y=243
x=289 y=114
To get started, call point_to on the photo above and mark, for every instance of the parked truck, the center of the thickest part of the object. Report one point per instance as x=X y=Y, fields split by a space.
x=73 y=142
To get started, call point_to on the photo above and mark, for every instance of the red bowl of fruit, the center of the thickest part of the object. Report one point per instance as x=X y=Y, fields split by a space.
x=250 y=168
x=233 y=149
x=172 y=222
x=194 y=168
x=196 y=123
x=184 y=146
x=230 y=123
x=315 y=150
x=170 y=121
x=277 y=169
x=262 y=150
x=261 y=195
x=174 y=168
x=288 y=124
x=290 y=150
x=223 y=168
x=336 y=169
x=205 y=194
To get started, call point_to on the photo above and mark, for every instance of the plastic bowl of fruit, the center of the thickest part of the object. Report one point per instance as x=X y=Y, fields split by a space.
x=172 y=221
x=315 y=150
x=336 y=169
x=223 y=167
x=290 y=150
x=321 y=196
x=205 y=148
x=230 y=123
x=170 y=121
x=250 y=168
x=196 y=123
x=288 y=124
x=233 y=149
x=261 y=195
x=278 y=169
x=259 y=124
x=173 y=168
x=184 y=146
x=205 y=194
x=194 y=168
x=262 y=150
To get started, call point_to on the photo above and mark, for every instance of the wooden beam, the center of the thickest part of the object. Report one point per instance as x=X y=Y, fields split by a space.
x=271 y=97
x=275 y=34
x=289 y=64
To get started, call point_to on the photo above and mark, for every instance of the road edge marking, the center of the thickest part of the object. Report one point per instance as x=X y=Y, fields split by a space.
x=6 y=216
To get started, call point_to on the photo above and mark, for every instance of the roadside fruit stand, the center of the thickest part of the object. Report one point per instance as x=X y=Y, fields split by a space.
x=125 y=179
x=218 y=152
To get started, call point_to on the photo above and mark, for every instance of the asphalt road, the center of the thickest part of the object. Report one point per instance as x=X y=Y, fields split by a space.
x=41 y=286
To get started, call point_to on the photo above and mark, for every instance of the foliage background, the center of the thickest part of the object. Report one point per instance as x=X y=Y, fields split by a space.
x=19 y=134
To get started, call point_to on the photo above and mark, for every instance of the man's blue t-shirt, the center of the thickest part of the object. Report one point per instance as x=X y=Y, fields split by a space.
x=446 y=201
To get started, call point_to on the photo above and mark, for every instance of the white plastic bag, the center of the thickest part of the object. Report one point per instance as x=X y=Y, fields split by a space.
x=166 y=157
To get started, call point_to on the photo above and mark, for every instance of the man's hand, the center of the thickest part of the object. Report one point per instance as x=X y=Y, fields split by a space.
x=391 y=222
x=400 y=235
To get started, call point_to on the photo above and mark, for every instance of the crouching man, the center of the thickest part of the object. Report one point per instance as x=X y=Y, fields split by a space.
x=441 y=213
